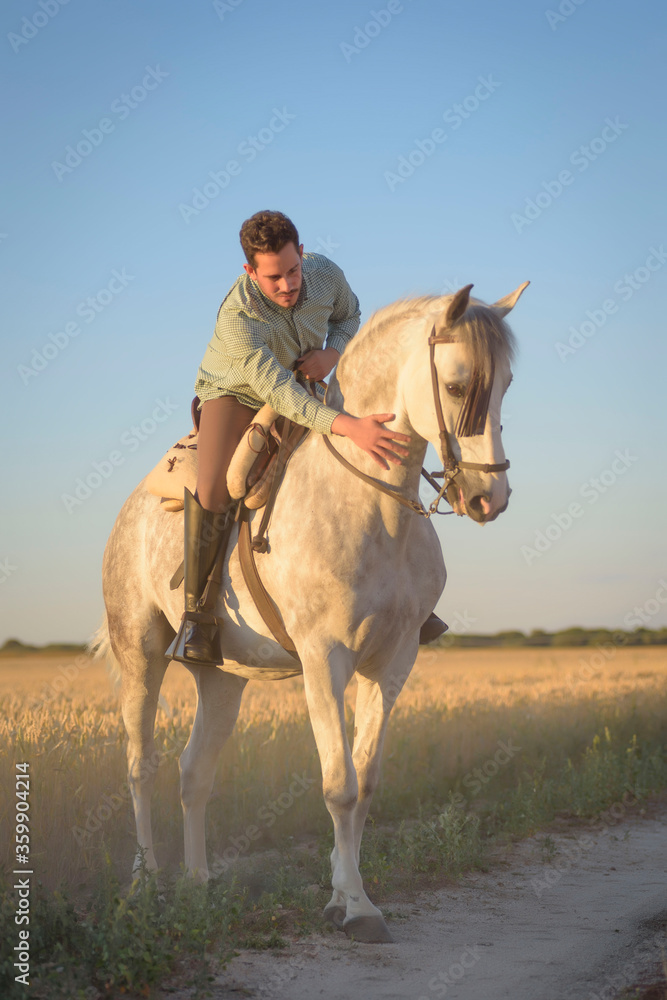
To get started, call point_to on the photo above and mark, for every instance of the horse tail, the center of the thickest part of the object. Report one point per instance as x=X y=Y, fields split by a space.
x=99 y=648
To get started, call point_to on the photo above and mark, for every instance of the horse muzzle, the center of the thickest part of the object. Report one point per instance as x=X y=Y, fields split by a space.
x=480 y=507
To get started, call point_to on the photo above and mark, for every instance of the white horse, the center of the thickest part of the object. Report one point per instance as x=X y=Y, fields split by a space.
x=356 y=607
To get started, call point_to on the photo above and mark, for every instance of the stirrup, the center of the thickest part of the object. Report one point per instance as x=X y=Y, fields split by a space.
x=195 y=622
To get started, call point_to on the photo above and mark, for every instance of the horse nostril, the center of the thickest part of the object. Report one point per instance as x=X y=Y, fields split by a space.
x=480 y=504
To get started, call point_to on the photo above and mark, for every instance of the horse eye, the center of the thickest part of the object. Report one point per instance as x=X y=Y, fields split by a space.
x=455 y=390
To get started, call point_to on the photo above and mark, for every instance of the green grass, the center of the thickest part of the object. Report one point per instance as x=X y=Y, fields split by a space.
x=126 y=941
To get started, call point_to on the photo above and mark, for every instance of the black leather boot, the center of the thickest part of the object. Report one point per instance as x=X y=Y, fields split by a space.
x=206 y=533
x=432 y=629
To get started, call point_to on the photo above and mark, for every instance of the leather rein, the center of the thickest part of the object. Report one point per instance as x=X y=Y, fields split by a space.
x=451 y=465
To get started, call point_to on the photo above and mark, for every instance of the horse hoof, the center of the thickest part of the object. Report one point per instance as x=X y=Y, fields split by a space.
x=334 y=915
x=369 y=930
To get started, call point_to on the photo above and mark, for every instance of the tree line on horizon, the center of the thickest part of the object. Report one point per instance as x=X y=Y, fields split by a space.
x=574 y=636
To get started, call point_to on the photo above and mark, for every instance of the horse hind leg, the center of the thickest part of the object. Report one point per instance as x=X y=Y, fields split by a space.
x=218 y=702
x=140 y=654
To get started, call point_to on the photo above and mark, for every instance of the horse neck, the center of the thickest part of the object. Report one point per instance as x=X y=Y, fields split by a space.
x=365 y=383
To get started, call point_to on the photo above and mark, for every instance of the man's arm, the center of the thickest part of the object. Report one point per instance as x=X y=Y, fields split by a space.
x=277 y=386
x=239 y=361
x=342 y=326
x=345 y=315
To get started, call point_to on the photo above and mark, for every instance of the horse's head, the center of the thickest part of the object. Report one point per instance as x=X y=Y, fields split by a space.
x=453 y=391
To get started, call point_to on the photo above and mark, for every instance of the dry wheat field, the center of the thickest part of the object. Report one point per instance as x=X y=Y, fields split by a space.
x=482 y=729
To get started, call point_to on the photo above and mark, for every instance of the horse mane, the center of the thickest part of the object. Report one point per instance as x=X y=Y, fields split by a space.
x=487 y=337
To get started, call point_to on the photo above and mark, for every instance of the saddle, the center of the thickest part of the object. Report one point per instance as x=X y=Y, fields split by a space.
x=259 y=461
x=254 y=476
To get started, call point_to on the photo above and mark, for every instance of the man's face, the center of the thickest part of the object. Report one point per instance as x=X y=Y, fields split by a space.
x=278 y=274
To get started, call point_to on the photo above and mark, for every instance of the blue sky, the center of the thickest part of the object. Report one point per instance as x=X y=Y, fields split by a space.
x=531 y=144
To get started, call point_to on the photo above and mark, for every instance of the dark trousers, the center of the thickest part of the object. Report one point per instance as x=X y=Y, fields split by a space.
x=221 y=426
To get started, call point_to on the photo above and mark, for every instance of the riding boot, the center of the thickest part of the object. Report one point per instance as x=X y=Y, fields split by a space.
x=206 y=534
x=432 y=628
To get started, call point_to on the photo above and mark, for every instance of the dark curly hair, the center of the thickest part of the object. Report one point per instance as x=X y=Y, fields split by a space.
x=267 y=232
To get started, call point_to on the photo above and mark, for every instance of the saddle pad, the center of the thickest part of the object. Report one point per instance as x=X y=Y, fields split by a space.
x=178 y=468
x=174 y=472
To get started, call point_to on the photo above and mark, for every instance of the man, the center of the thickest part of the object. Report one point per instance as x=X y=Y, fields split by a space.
x=289 y=310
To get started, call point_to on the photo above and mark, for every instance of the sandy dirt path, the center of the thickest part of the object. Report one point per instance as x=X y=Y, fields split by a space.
x=582 y=926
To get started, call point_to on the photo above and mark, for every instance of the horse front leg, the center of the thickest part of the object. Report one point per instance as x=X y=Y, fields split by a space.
x=350 y=907
x=376 y=695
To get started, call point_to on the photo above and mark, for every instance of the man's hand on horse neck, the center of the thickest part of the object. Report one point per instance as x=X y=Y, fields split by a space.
x=317 y=364
x=370 y=434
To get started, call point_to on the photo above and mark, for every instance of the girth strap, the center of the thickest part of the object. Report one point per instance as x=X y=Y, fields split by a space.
x=263 y=600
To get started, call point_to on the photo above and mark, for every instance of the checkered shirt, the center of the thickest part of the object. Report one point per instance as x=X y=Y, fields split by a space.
x=257 y=341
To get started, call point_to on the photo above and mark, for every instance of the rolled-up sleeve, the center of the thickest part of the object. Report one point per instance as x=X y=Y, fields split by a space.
x=345 y=315
x=256 y=368
x=279 y=388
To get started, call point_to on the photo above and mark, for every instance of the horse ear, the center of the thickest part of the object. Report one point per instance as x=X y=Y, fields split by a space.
x=457 y=307
x=503 y=306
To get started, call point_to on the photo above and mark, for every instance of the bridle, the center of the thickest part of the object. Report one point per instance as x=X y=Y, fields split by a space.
x=478 y=398
x=451 y=465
